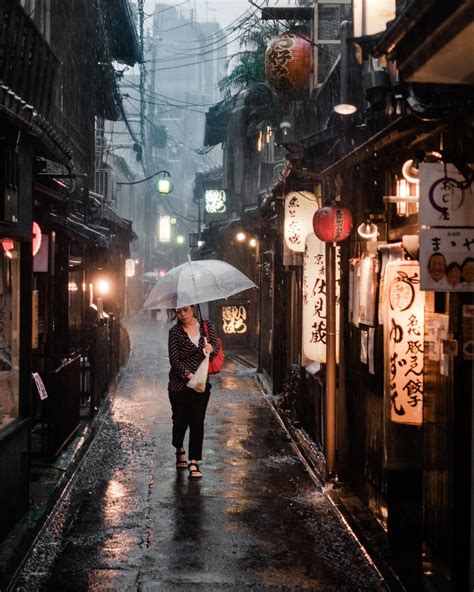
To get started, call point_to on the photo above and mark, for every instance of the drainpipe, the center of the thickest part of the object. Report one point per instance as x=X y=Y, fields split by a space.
x=344 y=90
x=330 y=394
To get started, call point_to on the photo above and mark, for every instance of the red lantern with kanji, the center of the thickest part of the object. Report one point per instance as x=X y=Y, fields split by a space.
x=332 y=223
x=288 y=65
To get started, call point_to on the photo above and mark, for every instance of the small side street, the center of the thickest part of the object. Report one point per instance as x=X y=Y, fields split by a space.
x=128 y=520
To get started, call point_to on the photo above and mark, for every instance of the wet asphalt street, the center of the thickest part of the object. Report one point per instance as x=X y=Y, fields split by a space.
x=129 y=521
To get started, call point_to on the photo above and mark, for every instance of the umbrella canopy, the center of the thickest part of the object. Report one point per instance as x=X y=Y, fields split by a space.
x=197 y=281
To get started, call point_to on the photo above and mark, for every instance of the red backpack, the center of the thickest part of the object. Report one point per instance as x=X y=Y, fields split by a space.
x=216 y=365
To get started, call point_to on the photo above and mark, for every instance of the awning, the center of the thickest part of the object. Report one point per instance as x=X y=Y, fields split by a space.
x=218 y=117
x=80 y=231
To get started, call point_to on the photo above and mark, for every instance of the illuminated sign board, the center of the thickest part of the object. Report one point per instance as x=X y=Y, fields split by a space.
x=215 y=201
x=404 y=338
x=234 y=319
x=164 y=230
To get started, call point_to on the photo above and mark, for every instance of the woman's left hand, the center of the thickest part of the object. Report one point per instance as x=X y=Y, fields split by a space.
x=208 y=348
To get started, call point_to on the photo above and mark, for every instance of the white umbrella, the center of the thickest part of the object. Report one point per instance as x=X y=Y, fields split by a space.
x=197 y=281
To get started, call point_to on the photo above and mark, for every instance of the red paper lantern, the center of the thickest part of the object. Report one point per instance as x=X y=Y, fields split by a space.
x=37 y=237
x=288 y=65
x=332 y=223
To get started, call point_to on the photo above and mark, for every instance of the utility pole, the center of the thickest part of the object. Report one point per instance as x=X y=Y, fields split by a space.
x=148 y=198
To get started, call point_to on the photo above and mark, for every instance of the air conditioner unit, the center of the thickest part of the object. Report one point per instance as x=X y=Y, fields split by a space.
x=106 y=184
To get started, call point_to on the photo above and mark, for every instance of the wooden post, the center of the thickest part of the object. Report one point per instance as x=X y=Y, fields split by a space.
x=330 y=395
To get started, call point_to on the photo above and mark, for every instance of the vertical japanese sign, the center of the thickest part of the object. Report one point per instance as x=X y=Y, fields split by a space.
x=300 y=207
x=404 y=336
x=314 y=331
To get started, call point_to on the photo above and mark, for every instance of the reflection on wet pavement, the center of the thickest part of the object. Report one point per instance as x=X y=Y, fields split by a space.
x=255 y=521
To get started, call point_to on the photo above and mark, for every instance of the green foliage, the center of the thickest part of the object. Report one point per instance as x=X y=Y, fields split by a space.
x=249 y=63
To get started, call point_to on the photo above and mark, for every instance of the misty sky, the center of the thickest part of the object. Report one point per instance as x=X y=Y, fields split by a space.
x=222 y=11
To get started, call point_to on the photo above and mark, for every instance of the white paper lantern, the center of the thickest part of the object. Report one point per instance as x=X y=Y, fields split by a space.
x=300 y=207
x=314 y=329
x=404 y=339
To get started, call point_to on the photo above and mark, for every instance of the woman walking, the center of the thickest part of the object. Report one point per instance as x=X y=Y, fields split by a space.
x=187 y=342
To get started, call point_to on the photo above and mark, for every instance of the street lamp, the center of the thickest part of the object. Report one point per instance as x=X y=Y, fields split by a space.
x=163 y=185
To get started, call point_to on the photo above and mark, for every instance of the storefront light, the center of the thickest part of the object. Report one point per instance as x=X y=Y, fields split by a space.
x=253 y=242
x=345 y=109
x=180 y=239
x=368 y=231
x=410 y=171
x=103 y=287
x=240 y=236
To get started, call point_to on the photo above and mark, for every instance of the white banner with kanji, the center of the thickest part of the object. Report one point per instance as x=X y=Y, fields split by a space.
x=404 y=338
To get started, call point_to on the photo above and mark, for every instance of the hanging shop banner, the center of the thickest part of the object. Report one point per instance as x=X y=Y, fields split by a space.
x=367 y=290
x=404 y=337
x=443 y=202
x=314 y=300
x=447 y=259
x=300 y=207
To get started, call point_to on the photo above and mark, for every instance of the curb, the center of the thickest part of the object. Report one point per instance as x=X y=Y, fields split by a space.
x=315 y=463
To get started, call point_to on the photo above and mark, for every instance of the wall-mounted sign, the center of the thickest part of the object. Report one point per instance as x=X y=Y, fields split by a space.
x=300 y=207
x=314 y=300
x=447 y=259
x=129 y=267
x=234 y=320
x=34 y=319
x=215 y=201
x=442 y=201
x=164 y=230
x=404 y=338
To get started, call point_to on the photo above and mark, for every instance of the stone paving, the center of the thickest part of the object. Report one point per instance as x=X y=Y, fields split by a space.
x=255 y=521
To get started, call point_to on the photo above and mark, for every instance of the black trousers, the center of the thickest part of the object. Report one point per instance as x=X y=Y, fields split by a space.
x=189 y=410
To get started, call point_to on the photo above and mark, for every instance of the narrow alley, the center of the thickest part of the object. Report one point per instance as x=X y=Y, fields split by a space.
x=128 y=520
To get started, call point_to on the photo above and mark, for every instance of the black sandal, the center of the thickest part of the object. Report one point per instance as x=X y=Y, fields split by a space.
x=181 y=462
x=194 y=470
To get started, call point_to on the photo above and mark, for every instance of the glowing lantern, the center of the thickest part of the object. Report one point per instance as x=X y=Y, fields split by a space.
x=314 y=330
x=36 y=238
x=404 y=339
x=288 y=65
x=299 y=209
x=332 y=223
x=7 y=246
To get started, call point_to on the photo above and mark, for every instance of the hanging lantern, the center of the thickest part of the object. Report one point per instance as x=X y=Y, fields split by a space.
x=299 y=209
x=332 y=223
x=314 y=329
x=288 y=65
x=404 y=341
x=37 y=236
